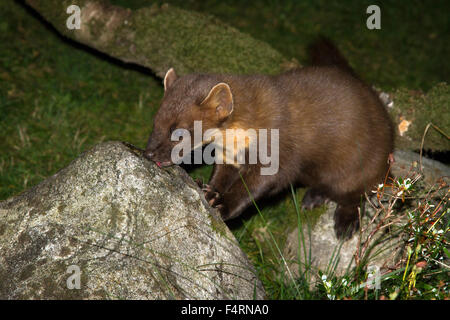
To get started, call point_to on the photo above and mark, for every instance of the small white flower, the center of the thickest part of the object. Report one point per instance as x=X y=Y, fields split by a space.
x=407 y=184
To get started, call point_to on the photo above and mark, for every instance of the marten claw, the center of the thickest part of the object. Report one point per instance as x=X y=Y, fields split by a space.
x=211 y=194
x=207 y=188
x=214 y=199
x=199 y=182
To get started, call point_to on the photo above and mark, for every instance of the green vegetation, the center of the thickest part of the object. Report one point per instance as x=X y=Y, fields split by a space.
x=58 y=99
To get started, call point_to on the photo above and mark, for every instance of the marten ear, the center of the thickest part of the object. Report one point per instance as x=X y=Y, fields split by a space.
x=169 y=79
x=220 y=98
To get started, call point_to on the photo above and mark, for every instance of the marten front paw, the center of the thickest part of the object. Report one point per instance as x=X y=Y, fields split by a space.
x=214 y=198
x=212 y=195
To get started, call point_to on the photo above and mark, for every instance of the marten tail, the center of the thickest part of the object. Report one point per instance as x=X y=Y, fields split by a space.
x=324 y=53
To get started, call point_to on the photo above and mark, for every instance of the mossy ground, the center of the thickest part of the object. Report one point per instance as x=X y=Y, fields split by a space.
x=58 y=98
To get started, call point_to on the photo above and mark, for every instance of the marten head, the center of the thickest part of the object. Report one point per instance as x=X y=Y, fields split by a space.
x=187 y=99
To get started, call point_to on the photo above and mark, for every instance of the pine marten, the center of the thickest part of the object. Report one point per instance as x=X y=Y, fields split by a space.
x=335 y=135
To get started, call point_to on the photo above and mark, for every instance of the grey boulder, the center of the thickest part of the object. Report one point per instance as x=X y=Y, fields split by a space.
x=112 y=225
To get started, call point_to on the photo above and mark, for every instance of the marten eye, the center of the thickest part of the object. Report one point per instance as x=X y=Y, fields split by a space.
x=172 y=128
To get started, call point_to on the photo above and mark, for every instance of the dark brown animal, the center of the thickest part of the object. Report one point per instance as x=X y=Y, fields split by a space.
x=335 y=135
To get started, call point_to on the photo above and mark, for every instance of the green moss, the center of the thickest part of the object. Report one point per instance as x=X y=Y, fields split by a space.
x=421 y=109
x=192 y=42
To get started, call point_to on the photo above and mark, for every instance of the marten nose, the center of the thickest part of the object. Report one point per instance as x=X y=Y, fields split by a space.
x=148 y=154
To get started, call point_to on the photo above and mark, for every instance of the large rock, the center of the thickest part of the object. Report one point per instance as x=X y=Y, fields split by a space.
x=134 y=231
x=334 y=257
x=407 y=162
x=326 y=253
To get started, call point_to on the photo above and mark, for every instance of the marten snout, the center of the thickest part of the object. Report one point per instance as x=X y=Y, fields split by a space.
x=160 y=161
x=158 y=153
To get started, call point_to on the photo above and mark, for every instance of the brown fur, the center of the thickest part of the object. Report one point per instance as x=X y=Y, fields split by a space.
x=335 y=135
